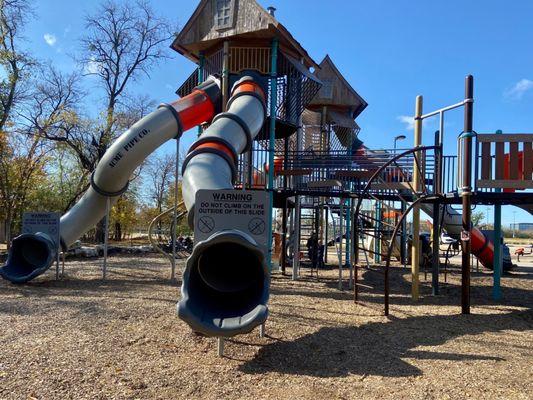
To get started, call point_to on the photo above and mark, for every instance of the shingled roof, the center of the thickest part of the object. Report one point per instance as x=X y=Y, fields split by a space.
x=244 y=19
x=336 y=91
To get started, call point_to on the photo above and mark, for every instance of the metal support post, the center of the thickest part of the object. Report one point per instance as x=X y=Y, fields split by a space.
x=272 y=138
x=225 y=75
x=283 y=257
x=323 y=150
x=201 y=64
x=341 y=223
x=57 y=265
x=326 y=235
x=175 y=214
x=498 y=242
x=220 y=347
x=297 y=212
x=355 y=242
x=415 y=247
x=349 y=242
x=377 y=234
x=106 y=236
x=466 y=165
x=403 y=237
x=436 y=219
x=296 y=239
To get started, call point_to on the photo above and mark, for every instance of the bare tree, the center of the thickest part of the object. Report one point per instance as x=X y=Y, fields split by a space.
x=132 y=109
x=123 y=41
x=15 y=62
x=160 y=174
x=53 y=114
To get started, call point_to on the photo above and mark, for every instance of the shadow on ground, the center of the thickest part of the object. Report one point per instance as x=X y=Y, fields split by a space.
x=379 y=348
x=371 y=289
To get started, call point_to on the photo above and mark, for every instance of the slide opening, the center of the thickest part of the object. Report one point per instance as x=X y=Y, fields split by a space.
x=29 y=255
x=228 y=279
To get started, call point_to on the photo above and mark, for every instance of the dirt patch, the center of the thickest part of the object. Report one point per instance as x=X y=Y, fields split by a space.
x=84 y=338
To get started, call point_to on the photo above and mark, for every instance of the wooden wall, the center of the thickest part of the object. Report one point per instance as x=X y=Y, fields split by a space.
x=249 y=17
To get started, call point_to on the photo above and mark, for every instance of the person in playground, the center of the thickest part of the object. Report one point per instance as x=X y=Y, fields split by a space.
x=312 y=249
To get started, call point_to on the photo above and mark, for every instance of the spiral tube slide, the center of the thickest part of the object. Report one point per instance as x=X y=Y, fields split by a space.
x=482 y=247
x=32 y=254
x=226 y=280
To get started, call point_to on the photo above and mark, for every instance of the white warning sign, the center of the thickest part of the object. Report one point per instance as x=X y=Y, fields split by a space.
x=45 y=222
x=245 y=210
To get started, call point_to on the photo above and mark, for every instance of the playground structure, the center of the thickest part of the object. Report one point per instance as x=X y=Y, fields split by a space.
x=272 y=119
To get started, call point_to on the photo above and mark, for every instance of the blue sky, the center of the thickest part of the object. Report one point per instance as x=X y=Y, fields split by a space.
x=390 y=51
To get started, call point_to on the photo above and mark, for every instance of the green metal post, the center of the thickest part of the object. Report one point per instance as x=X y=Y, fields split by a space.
x=497 y=263
x=272 y=137
x=347 y=231
x=201 y=64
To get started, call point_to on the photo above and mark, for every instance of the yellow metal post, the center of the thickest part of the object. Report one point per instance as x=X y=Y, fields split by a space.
x=415 y=249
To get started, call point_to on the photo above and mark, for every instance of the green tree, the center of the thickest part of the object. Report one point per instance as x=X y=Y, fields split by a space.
x=15 y=63
x=124 y=215
x=22 y=161
x=477 y=217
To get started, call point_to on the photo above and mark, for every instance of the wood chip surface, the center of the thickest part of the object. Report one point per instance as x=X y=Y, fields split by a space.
x=84 y=338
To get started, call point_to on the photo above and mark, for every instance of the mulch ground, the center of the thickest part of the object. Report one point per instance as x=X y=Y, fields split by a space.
x=84 y=338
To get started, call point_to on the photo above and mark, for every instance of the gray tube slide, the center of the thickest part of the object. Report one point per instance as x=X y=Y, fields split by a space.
x=451 y=219
x=226 y=281
x=31 y=255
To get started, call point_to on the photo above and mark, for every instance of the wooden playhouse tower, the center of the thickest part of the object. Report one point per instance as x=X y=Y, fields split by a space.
x=231 y=37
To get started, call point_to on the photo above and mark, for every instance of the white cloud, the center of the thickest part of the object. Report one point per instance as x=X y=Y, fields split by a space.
x=408 y=120
x=519 y=89
x=92 y=67
x=50 y=39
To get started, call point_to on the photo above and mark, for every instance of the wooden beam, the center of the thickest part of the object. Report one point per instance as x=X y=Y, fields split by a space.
x=486 y=160
x=509 y=137
x=528 y=161
x=513 y=161
x=504 y=184
x=294 y=172
x=391 y=186
x=355 y=174
x=500 y=160
x=324 y=183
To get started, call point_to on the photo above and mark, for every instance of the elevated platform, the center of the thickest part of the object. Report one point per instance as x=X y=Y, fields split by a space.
x=519 y=199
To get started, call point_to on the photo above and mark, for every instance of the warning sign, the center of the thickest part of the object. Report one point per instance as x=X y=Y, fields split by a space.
x=45 y=222
x=245 y=210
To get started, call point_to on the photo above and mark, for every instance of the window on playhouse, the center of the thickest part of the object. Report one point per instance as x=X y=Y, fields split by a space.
x=224 y=12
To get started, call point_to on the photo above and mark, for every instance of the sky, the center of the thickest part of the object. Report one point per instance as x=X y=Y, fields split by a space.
x=389 y=50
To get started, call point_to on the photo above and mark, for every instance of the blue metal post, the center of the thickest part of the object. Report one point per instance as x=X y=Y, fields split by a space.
x=272 y=137
x=497 y=262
